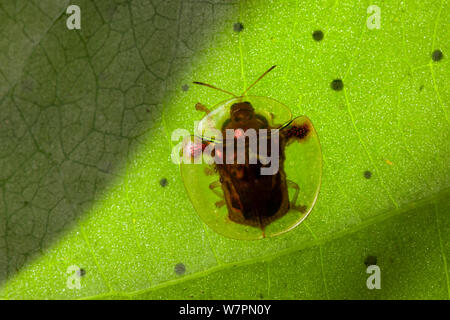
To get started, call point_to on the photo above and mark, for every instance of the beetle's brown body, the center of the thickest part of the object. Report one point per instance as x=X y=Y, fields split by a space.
x=252 y=198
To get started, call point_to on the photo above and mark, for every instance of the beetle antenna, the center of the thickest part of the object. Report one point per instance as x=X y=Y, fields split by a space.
x=257 y=80
x=212 y=87
x=285 y=125
x=211 y=140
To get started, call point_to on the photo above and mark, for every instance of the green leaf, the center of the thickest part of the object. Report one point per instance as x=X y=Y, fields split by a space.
x=86 y=175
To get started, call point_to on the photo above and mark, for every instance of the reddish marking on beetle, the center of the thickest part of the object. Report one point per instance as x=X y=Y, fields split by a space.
x=299 y=132
x=239 y=133
x=218 y=153
x=195 y=149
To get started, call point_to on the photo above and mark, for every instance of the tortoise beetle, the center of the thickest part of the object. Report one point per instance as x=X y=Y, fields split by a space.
x=240 y=191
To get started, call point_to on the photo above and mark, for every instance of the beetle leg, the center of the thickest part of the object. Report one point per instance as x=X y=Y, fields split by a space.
x=293 y=185
x=271 y=115
x=272 y=121
x=220 y=203
x=201 y=107
x=214 y=185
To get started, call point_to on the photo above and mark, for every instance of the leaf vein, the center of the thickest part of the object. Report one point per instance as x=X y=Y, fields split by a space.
x=305 y=245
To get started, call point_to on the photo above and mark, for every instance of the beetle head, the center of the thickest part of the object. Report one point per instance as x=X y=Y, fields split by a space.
x=241 y=112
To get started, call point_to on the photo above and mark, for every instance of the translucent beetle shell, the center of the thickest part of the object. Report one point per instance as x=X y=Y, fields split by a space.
x=240 y=207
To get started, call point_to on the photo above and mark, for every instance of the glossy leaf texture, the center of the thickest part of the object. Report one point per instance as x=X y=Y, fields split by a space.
x=87 y=117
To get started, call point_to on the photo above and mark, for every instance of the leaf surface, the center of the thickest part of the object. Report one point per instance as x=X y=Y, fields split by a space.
x=87 y=178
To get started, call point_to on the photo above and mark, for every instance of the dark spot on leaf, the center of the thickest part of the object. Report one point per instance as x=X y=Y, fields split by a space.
x=148 y=110
x=317 y=35
x=81 y=272
x=421 y=87
x=337 y=85
x=238 y=27
x=437 y=55
x=367 y=174
x=26 y=203
x=370 y=260
x=185 y=87
x=261 y=296
x=180 y=268
x=163 y=182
